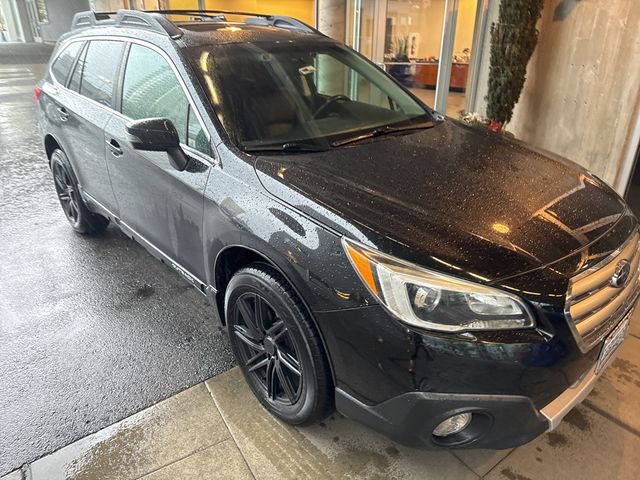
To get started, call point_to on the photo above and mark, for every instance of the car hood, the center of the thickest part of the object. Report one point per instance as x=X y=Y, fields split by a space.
x=455 y=198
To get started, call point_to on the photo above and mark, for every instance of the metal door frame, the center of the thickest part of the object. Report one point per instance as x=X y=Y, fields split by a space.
x=34 y=20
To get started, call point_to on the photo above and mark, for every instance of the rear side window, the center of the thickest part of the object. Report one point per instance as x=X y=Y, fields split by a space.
x=101 y=62
x=151 y=89
x=63 y=62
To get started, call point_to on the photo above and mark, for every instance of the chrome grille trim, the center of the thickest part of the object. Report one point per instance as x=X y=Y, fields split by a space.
x=593 y=307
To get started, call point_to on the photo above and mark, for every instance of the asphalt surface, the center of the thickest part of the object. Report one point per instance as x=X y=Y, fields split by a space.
x=92 y=330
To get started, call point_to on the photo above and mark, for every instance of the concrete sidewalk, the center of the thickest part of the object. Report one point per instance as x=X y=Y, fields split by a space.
x=217 y=430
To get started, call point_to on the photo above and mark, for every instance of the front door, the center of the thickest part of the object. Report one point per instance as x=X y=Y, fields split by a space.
x=159 y=203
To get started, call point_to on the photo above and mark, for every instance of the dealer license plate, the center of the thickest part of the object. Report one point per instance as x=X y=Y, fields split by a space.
x=612 y=343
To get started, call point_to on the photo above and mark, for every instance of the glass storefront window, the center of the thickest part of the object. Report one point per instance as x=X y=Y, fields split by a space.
x=413 y=37
x=360 y=26
x=412 y=44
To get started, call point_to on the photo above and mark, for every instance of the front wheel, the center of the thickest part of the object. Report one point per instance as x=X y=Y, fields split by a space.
x=277 y=346
x=79 y=216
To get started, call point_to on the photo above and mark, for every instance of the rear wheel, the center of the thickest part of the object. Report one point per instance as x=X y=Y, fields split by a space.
x=277 y=346
x=79 y=216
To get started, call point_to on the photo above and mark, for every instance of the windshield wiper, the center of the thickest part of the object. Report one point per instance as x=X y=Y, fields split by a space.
x=287 y=147
x=377 y=132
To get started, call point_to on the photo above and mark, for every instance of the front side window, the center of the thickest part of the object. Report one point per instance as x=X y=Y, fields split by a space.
x=63 y=63
x=196 y=136
x=268 y=94
x=101 y=62
x=151 y=89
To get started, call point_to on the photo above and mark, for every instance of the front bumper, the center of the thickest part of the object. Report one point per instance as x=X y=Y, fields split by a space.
x=403 y=383
x=501 y=421
x=498 y=421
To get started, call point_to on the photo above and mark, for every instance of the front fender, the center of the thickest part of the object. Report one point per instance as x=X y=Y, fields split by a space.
x=310 y=256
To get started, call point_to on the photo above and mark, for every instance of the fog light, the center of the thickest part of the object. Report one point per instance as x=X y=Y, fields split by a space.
x=452 y=425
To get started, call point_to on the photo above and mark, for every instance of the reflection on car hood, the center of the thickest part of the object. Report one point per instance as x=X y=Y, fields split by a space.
x=453 y=198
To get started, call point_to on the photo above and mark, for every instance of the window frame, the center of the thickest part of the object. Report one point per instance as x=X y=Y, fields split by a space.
x=211 y=158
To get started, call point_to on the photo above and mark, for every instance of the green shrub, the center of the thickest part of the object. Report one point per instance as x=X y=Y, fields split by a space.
x=513 y=39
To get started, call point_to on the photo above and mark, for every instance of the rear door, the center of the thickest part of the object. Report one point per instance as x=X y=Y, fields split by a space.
x=87 y=105
x=55 y=117
x=159 y=203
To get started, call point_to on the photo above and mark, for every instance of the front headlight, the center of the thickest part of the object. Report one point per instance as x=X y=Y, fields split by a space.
x=432 y=300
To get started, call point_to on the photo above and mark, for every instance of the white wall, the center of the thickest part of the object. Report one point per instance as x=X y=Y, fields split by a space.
x=61 y=14
x=582 y=94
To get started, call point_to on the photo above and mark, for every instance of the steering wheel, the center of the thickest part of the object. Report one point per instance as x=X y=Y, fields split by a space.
x=331 y=100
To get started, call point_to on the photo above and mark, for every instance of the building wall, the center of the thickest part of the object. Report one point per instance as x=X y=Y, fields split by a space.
x=301 y=9
x=332 y=17
x=581 y=97
x=12 y=21
x=21 y=16
x=61 y=14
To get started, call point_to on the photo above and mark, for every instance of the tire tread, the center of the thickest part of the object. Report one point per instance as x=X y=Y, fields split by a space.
x=90 y=223
x=324 y=402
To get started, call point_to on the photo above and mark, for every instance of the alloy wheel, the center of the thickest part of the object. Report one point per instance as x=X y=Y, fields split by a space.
x=66 y=192
x=267 y=349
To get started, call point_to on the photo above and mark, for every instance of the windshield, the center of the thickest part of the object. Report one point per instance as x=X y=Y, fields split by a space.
x=301 y=95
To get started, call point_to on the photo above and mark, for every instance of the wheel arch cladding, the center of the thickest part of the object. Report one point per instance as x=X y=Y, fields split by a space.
x=50 y=145
x=235 y=257
x=228 y=262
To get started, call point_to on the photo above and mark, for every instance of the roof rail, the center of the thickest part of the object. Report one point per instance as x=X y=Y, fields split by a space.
x=254 y=18
x=281 y=22
x=126 y=18
x=155 y=20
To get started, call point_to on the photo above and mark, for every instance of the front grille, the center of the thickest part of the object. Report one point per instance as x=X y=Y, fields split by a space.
x=593 y=306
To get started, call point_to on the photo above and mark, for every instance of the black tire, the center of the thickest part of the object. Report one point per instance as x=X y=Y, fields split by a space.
x=79 y=216
x=282 y=339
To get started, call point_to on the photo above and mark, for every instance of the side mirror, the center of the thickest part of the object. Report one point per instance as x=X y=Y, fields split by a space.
x=158 y=135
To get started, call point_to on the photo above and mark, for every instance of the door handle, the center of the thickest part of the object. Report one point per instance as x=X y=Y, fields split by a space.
x=114 y=146
x=64 y=115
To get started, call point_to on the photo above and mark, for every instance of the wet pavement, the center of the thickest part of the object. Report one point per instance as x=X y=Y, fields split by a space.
x=92 y=330
x=218 y=430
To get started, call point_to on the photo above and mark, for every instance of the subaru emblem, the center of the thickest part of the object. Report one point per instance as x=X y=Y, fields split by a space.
x=621 y=274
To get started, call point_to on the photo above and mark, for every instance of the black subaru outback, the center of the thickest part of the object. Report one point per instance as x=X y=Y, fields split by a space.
x=442 y=284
